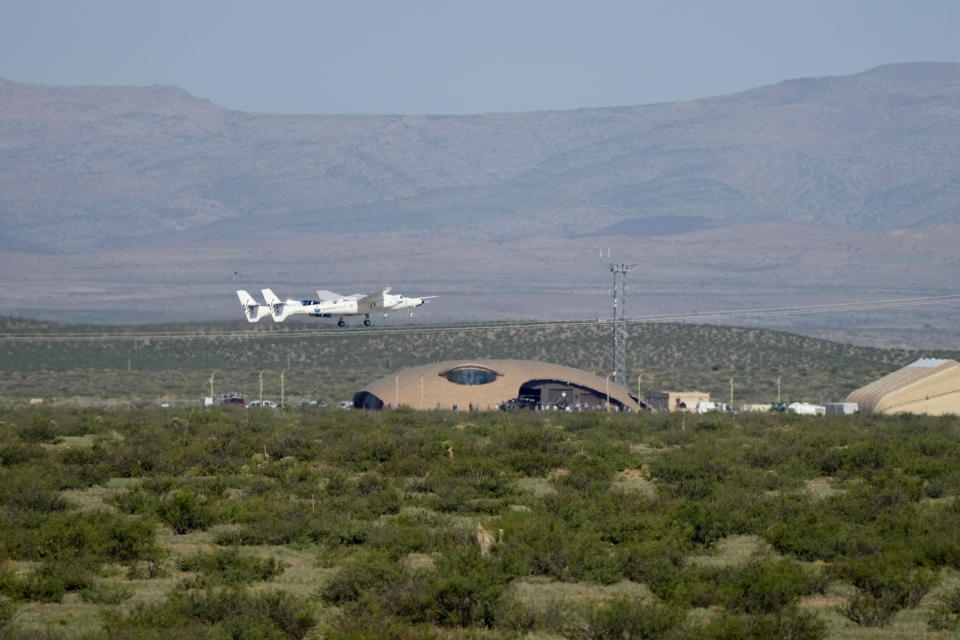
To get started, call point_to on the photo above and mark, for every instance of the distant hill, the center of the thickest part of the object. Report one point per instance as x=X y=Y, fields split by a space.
x=149 y=204
x=153 y=361
x=86 y=167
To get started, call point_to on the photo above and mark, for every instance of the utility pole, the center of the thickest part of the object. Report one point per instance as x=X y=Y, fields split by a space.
x=620 y=272
x=731 y=393
x=778 y=387
x=212 y=374
x=261 y=387
x=608 y=393
x=282 y=373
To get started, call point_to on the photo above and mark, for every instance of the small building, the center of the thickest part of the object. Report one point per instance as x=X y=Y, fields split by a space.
x=706 y=406
x=929 y=385
x=674 y=400
x=841 y=408
x=491 y=384
x=807 y=409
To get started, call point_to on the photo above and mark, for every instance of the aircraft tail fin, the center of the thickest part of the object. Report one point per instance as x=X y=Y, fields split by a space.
x=276 y=306
x=251 y=308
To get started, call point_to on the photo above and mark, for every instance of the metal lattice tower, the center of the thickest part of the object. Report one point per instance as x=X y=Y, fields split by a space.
x=619 y=321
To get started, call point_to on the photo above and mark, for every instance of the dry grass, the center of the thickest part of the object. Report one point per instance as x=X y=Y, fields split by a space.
x=419 y=561
x=92 y=499
x=634 y=481
x=540 y=593
x=537 y=486
x=72 y=442
x=731 y=551
x=68 y=619
x=821 y=487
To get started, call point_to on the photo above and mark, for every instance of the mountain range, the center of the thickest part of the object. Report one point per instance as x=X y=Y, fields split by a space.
x=151 y=203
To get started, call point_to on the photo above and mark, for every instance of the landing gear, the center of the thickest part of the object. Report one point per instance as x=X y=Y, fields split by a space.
x=341 y=323
x=366 y=320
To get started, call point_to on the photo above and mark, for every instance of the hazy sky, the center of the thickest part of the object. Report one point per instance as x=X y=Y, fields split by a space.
x=431 y=56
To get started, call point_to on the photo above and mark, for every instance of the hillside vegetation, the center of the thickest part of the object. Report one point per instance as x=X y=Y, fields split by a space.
x=215 y=524
x=147 y=364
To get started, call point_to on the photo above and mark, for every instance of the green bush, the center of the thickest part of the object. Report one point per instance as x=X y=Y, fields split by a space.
x=229 y=566
x=792 y=624
x=358 y=574
x=945 y=615
x=586 y=474
x=769 y=585
x=107 y=593
x=626 y=618
x=185 y=511
x=213 y=613
x=884 y=585
x=466 y=589
x=136 y=501
x=7 y=609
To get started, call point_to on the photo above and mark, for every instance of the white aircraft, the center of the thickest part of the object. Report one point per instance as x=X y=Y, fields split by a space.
x=328 y=305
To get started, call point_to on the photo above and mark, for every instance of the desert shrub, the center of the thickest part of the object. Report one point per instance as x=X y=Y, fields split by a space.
x=466 y=589
x=400 y=538
x=12 y=453
x=699 y=524
x=185 y=511
x=22 y=492
x=87 y=466
x=467 y=484
x=212 y=613
x=136 y=501
x=933 y=531
x=869 y=610
x=229 y=566
x=47 y=583
x=945 y=615
x=366 y=621
x=359 y=573
x=655 y=563
x=107 y=593
x=297 y=444
x=148 y=569
x=792 y=624
x=522 y=618
x=550 y=546
x=692 y=473
x=40 y=429
x=766 y=584
x=285 y=612
x=7 y=609
x=625 y=618
x=586 y=474
x=885 y=584
x=88 y=537
x=139 y=454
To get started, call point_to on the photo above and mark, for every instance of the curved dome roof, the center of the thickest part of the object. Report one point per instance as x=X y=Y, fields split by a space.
x=928 y=385
x=483 y=384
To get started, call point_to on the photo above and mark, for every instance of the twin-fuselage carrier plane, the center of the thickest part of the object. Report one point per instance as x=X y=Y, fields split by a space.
x=327 y=305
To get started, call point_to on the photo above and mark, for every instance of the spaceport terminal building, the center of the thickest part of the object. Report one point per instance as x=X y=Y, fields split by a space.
x=491 y=384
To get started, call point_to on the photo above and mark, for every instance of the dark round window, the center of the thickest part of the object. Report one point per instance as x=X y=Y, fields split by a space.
x=470 y=376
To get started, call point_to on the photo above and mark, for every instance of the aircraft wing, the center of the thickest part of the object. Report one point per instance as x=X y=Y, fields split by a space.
x=327 y=296
x=373 y=301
